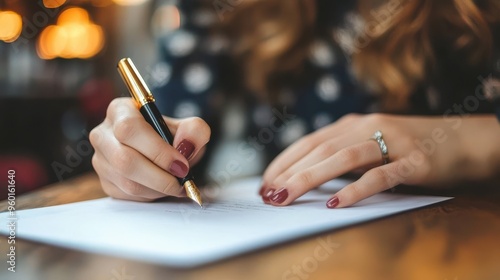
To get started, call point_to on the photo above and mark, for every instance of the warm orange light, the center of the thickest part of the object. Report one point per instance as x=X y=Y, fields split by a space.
x=129 y=2
x=74 y=36
x=95 y=41
x=11 y=26
x=52 y=42
x=73 y=15
x=51 y=4
x=165 y=19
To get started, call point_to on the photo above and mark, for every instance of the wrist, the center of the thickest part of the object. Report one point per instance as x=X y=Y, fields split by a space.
x=480 y=138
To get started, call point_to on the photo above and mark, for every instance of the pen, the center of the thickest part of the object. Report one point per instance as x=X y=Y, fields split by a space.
x=146 y=102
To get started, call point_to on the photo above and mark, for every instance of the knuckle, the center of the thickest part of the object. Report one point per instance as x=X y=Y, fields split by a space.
x=376 y=118
x=282 y=178
x=327 y=148
x=385 y=176
x=162 y=158
x=107 y=188
x=349 y=156
x=201 y=127
x=355 y=193
x=350 y=117
x=95 y=136
x=123 y=162
x=172 y=187
x=113 y=106
x=405 y=141
x=307 y=143
x=304 y=178
x=132 y=188
x=124 y=128
x=95 y=162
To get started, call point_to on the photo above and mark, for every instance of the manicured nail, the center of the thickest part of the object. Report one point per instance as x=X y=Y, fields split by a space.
x=267 y=194
x=262 y=190
x=178 y=169
x=333 y=202
x=186 y=148
x=280 y=196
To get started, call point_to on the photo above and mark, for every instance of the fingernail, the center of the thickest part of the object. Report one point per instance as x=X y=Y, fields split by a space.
x=262 y=190
x=333 y=202
x=178 y=169
x=267 y=194
x=280 y=196
x=186 y=148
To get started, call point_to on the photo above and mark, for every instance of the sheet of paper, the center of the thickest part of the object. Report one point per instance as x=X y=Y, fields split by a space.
x=179 y=233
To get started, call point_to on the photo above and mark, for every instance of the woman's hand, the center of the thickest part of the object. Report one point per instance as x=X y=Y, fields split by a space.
x=423 y=151
x=134 y=163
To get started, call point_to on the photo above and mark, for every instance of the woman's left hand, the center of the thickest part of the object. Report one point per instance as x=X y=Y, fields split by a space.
x=423 y=151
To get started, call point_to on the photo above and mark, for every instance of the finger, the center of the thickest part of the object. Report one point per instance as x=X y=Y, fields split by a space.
x=287 y=158
x=137 y=134
x=196 y=158
x=320 y=153
x=125 y=185
x=192 y=134
x=303 y=147
x=120 y=107
x=340 y=163
x=114 y=191
x=372 y=182
x=134 y=166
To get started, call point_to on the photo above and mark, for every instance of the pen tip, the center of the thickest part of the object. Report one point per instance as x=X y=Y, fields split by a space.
x=193 y=192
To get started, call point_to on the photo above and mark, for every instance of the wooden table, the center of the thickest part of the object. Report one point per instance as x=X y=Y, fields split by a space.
x=454 y=240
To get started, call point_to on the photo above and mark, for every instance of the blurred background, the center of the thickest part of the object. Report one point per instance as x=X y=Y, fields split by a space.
x=58 y=74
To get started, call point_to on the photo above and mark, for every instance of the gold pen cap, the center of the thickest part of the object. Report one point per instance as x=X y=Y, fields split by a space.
x=134 y=82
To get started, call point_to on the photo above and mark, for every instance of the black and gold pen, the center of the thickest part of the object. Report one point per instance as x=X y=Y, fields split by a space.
x=146 y=102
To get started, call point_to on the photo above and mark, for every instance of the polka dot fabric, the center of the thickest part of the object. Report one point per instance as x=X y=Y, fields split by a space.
x=195 y=77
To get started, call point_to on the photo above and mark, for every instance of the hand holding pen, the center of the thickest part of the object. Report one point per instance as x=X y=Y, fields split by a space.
x=134 y=162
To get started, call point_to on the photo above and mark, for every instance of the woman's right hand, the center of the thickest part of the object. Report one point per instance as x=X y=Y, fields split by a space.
x=134 y=163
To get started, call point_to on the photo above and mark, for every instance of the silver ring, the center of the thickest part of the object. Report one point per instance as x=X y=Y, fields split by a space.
x=377 y=136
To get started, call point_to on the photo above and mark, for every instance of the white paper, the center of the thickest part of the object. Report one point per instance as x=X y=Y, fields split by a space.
x=179 y=233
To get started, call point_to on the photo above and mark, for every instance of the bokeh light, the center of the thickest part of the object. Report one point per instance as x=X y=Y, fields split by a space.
x=166 y=19
x=52 y=4
x=129 y=2
x=11 y=26
x=74 y=36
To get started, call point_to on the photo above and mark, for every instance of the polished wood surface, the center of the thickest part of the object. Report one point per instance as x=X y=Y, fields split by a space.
x=454 y=240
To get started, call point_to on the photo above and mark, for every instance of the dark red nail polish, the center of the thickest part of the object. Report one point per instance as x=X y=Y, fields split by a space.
x=262 y=190
x=268 y=193
x=186 y=148
x=280 y=196
x=178 y=169
x=333 y=202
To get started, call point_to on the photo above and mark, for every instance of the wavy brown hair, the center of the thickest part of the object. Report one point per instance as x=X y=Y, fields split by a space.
x=272 y=37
